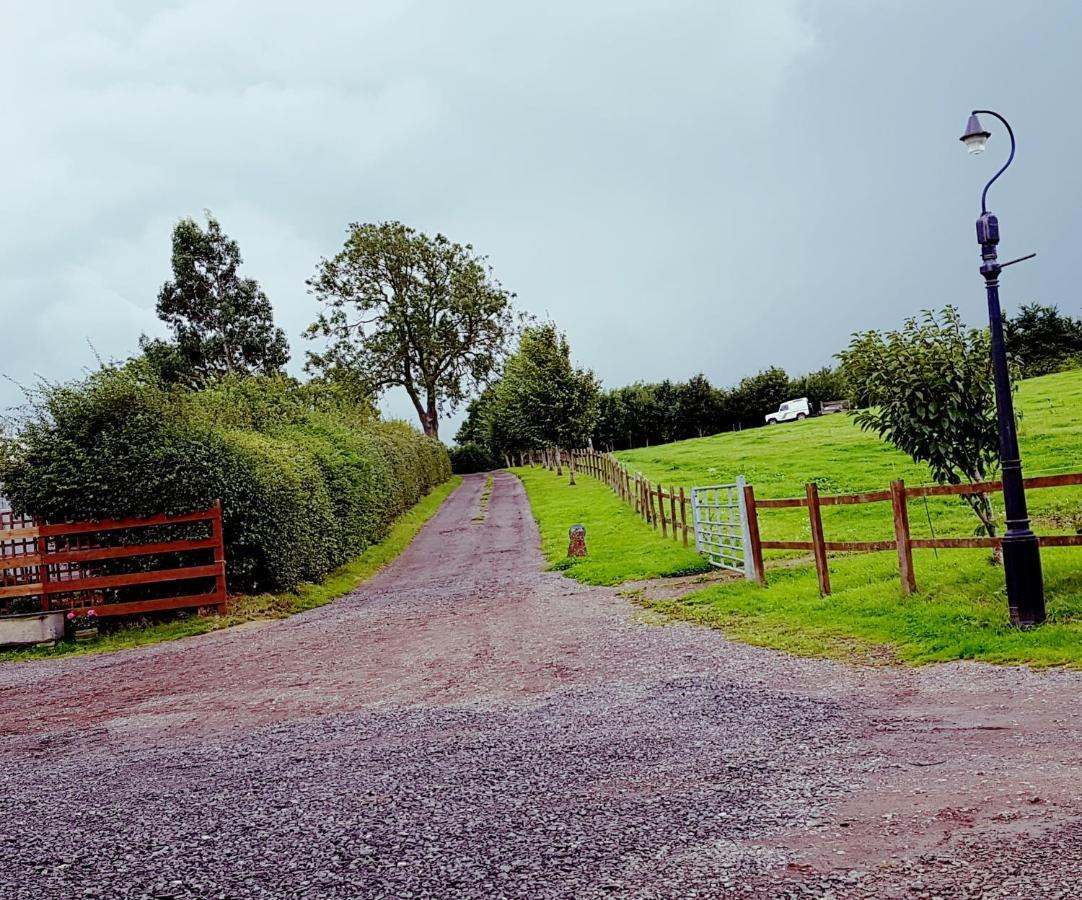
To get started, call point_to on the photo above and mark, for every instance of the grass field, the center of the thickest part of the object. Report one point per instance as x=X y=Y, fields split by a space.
x=779 y=460
x=960 y=611
x=265 y=606
x=621 y=547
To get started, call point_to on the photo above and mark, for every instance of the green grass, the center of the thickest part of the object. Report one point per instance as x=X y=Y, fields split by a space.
x=621 y=547
x=253 y=608
x=960 y=611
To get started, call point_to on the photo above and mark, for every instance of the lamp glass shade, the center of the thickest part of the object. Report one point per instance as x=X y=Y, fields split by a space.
x=975 y=138
x=975 y=143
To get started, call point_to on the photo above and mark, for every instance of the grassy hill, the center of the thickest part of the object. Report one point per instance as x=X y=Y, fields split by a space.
x=779 y=460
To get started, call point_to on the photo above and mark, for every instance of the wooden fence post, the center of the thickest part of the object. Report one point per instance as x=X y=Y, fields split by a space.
x=672 y=508
x=661 y=509
x=684 y=514
x=755 y=551
x=217 y=533
x=902 y=536
x=650 y=499
x=42 y=545
x=818 y=541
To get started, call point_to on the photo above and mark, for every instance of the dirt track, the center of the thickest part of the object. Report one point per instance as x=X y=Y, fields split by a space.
x=467 y=725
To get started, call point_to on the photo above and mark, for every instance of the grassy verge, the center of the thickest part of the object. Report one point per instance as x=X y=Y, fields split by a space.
x=264 y=606
x=621 y=547
x=961 y=613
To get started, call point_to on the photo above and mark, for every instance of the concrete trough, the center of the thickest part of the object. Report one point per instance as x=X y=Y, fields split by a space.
x=28 y=629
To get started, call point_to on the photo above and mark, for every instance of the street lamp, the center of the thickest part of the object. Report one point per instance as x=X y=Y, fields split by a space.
x=1021 y=549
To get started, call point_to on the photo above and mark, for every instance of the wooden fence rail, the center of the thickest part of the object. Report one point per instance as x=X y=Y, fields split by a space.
x=65 y=566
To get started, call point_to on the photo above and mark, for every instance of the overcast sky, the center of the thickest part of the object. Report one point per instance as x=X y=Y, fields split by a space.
x=706 y=185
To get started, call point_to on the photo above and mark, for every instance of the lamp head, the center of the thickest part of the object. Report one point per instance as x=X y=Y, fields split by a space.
x=975 y=137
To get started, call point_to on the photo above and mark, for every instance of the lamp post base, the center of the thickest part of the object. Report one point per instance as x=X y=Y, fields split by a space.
x=1025 y=586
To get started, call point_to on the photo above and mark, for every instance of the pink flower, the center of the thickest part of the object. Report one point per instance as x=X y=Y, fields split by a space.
x=91 y=612
x=71 y=616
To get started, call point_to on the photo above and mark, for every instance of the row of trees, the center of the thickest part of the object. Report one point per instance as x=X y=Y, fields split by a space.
x=402 y=309
x=1042 y=340
x=643 y=414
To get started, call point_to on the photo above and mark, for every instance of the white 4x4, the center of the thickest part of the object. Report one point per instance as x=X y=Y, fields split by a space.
x=790 y=411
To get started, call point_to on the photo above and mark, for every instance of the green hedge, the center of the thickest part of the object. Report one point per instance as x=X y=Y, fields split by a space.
x=304 y=486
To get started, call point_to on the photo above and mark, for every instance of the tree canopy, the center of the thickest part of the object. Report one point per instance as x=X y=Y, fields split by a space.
x=222 y=323
x=642 y=414
x=930 y=393
x=540 y=400
x=1042 y=339
x=402 y=309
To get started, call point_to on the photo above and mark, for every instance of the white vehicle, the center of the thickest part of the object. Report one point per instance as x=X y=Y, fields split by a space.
x=790 y=411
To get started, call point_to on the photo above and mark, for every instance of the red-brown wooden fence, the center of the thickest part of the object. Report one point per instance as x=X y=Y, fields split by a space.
x=73 y=566
x=665 y=509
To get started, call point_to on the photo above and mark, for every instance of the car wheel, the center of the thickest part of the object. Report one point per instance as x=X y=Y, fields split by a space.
x=800 y=416
x=771 y=421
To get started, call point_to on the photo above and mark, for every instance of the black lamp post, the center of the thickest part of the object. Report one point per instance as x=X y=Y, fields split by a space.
x=1021 y=549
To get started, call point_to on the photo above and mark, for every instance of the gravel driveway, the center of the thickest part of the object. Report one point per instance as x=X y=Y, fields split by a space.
x=466 y=725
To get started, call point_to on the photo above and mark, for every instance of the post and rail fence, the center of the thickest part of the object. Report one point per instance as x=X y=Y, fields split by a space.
x=650 y=501
x=116 y=567
x=664 y=509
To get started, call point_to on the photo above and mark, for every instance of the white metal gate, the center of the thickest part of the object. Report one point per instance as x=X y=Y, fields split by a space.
x=721 y=526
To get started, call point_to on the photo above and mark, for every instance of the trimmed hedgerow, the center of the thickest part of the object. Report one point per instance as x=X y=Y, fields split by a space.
x=305 y=486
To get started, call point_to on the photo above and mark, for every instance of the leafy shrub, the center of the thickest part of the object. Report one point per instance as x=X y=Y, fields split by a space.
x=304 y=487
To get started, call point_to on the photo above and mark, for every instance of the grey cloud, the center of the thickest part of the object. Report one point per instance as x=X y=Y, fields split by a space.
x=682 y=185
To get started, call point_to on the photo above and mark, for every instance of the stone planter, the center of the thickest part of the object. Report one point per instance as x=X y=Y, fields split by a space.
x=27 y=629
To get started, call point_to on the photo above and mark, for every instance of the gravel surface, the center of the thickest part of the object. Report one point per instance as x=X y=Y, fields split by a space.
x=466 y=725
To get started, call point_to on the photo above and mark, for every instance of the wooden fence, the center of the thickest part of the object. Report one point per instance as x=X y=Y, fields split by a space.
x=652 y=501
x=117 y=567
x=664 y=509
x=903 y=542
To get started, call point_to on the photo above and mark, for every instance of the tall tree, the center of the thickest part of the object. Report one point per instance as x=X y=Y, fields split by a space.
x=542 y=400
x=222 y=323
x=403 y=309
x=930 y=394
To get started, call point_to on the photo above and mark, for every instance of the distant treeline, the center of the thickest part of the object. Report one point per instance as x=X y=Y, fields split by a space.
x=540 y=400
x=1040 y=338
x=641 y=415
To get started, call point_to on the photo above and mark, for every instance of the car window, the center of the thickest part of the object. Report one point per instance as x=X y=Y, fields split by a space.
x=783 y=407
